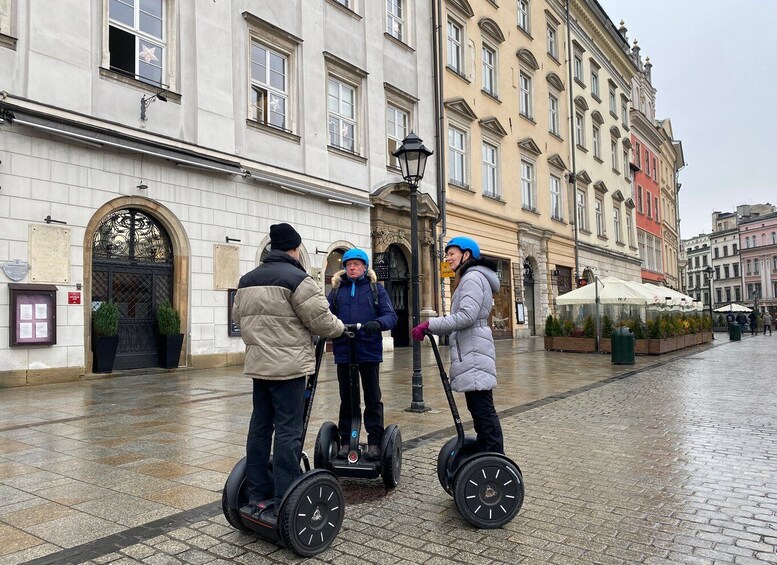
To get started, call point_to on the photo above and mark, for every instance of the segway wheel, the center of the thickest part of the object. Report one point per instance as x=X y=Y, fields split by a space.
x=312 y=515
x=444 y=475
x=488 y=491
x=391 y=457
x=327 y=444
x=232 y=514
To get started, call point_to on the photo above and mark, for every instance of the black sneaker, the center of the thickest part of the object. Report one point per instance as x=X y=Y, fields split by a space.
x=373 y=453
x=262 y=509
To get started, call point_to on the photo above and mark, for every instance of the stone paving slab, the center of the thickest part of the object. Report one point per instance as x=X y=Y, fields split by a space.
x=674 y=463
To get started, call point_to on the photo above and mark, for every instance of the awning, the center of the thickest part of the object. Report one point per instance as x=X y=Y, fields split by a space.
x=101 y=137
x=302 y=187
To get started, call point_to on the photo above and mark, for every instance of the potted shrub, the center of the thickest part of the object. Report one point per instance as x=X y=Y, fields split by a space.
x=170 y=339
x=105 y=342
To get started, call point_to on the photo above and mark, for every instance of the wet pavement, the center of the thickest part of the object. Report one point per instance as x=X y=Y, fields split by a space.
x=672 y=460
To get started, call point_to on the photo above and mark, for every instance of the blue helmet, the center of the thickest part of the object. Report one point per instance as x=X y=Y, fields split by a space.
x=356 y=254
x=465 y=244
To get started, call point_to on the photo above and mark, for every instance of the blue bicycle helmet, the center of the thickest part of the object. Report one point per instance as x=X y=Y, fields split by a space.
x=465 y=244
x=356 y=254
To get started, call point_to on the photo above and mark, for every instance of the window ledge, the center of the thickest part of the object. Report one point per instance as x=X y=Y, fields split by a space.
x=273 y=130
x=557 y=136
x=457 y=73
x=585 y=231
x=8 y=41
x=554 y=59
x=633 y=248
x=462 y=187
x=559 y=220
x=613 y=114
x=620 y=243
x=603 y=237
x=111 y=75
x=345 y=153
x=582 y=148
x=596 y=97
x=528 y=119
x=599 y=159
x=525 y=32
x=398 y=42
x=580 y=83
x=345 y=9
x=616 y=171
x=530 y=210
x=491 y=95
x=495 y=198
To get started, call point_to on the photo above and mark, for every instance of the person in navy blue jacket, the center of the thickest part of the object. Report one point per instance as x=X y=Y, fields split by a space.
x=356 y=297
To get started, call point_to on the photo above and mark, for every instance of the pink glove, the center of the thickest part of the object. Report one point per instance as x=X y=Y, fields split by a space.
x=418 y=331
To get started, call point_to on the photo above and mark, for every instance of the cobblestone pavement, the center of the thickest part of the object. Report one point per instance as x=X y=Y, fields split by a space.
x=673 y=460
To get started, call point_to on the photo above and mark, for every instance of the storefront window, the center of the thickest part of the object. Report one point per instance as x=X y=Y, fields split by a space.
x=501 y=319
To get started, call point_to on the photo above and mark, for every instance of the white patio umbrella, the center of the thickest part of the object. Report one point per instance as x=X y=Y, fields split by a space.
x=611 y=291
x=732 y=308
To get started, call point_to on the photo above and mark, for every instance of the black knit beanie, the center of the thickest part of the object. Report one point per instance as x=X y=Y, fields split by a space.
x=284 y=237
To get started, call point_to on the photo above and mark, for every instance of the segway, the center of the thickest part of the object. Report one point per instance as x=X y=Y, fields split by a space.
x=312 y=509
x=354 y=464
x=487 y=487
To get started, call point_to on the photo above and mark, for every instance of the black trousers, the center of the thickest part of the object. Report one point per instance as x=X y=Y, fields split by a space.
x=278 y=405
x=768 y=327
x=373 y=407
x=480 y=404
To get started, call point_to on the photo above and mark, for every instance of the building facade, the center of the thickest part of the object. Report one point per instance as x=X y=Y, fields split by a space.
x=153 y=171
x=699 y=257
x=758 y=251
x=724 y=241
x=671 y=160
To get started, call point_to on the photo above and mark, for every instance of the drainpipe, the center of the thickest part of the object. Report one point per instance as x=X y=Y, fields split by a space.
x=573 y=172
x=439 y=143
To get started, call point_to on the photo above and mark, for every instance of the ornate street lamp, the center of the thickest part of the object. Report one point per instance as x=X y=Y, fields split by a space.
x=412 y=157
x=710 y=274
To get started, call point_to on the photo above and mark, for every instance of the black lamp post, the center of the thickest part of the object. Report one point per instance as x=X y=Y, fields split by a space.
x=710 y=275
x=412 y=157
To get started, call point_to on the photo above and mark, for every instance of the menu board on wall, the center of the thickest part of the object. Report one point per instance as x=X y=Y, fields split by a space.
x=33 y=314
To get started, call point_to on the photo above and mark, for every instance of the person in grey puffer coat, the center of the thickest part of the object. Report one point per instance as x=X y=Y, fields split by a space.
x=473 y=356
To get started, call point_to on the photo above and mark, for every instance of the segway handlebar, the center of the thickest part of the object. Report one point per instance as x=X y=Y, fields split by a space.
x=351 y=329
x=436 y=352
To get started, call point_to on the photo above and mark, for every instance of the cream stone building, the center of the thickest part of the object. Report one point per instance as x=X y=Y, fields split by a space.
x=147 y=147
x=671 y=160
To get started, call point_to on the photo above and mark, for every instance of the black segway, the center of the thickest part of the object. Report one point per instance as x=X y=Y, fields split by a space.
x=312 y=510
x=354 y=464
x=487 y=487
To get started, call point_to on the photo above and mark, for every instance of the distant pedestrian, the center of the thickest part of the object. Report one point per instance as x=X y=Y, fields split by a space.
x=767 y=322
x=742 y=321
x=753 y=322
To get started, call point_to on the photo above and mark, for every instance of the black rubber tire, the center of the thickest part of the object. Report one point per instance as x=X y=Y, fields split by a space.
x=232 y=514
x=326 y=447
x=488 y=491
x=312 y=515
x=391 y=457
x=469 y=448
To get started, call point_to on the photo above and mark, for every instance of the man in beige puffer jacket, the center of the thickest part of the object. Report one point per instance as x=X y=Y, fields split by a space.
x=279 y=309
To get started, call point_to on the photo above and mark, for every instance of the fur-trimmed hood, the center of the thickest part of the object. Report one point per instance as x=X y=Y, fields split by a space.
x=340 y=276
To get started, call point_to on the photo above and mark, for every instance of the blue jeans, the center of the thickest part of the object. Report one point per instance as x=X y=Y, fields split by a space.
x=278 y=405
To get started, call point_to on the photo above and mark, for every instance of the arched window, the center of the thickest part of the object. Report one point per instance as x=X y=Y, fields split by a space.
x=774 y=238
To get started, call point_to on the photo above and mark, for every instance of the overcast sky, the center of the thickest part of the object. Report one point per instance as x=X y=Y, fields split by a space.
x=715 y=69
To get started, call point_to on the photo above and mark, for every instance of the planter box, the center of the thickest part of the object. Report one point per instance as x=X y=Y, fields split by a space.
x=104 y=353
x=641 y=346
x=661 y=346
x=169 y=351
x=572 y=344
x=605 y=345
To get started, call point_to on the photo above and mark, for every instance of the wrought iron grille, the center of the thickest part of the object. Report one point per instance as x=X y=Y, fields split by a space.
x=131 y=235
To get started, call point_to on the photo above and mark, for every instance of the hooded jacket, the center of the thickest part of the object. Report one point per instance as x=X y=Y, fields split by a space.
x=473 y=356
x=279 y=308
x=355 y=304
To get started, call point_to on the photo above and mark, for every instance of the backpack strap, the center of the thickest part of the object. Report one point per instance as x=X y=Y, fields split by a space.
x=375 y=298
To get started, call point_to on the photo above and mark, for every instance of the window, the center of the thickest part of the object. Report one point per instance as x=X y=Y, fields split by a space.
x=629 y=231
x=597 y=142
x=626 y=169
x=455 y=47
x=580 y=129
x=556 y=209
x=641 y=243
x=624 y=112
x=526 y=95
x=696 y=261
x=523 y=15
x=756 y=266
x=737 y=294
x=640 y=209
x=582 y=222
x=774 y=263
x=736 y=271
x=528 y=188
x=595 y=81
x=728 y=294
x=717 y=253
x=136 y=39
x=342 y=115
x=774 y=238
x=655 y=169
x=599 y=209
x=725 y=251
x=726 y=272
x=616 y=223
x=396 y=131
x=703 y=260
x=614 y=154
x=489 y=70
x=638 y=155
x=655 y=207
x=719 y=295
x=734 y=248
x=269 y=86
x=552 y=40
x=613 y=107
x=394 y=22
x=490 y=180
x=717 y=273
x=578 y=65
x=6 y=18
x=553 y=121
x=747 y=242
x=456 y=156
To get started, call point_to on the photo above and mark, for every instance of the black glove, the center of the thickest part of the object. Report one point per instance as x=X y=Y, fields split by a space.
x=372 y=327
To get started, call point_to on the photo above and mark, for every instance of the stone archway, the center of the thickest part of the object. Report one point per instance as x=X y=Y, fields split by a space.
x=181 y=251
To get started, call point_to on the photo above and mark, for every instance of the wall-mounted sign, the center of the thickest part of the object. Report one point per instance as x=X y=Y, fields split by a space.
x=32 y=314
x=381 y=264
x=445 y=270
x=232 y=328
x=520 y=313
x=16 y=270
x=74 y=298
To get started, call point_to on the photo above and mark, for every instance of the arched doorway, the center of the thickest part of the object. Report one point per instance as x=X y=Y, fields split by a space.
x=334 y=263
x=132 y=265
x=397 y=288
x=528 y=295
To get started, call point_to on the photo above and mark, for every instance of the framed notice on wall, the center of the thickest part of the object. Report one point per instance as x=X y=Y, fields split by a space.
x=32 y=314
x=520 y=313
x=232 y=328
